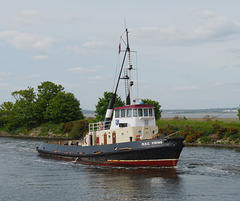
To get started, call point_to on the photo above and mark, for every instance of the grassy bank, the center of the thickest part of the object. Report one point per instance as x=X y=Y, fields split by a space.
x=72 y=130
x=199 y=131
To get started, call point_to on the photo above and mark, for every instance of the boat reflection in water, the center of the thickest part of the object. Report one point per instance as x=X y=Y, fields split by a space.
x=134 y=183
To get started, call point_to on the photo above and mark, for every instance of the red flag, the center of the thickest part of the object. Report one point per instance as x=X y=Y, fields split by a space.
x=119 y=48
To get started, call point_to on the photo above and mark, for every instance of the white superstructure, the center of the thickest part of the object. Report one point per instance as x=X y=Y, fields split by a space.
x=129 y=123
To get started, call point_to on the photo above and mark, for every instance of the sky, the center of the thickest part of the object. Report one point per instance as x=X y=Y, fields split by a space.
x=187 y=53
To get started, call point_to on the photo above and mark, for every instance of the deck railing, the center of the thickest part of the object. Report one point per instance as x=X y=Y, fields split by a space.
x=99 y=126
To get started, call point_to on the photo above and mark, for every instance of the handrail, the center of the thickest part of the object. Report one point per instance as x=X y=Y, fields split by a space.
x=99 y=126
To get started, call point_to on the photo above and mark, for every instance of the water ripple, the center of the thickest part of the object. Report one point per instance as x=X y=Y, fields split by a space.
x=201 y=174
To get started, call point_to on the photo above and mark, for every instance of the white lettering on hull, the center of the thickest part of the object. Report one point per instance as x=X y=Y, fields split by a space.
x=152 y=143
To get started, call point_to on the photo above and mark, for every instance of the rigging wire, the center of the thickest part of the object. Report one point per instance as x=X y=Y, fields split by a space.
x=118 y=66
x=137 y=77
x=116 y=69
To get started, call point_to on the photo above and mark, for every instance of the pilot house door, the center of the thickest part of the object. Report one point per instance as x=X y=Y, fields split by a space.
x=105 y=138
x=113 y=138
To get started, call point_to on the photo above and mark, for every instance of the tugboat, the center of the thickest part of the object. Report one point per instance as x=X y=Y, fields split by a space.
x=127 y=137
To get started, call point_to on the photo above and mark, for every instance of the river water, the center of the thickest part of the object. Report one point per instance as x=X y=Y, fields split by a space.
x=203 y=173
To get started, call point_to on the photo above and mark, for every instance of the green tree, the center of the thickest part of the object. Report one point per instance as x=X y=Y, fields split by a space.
x=27 y=94
x=46 y=92
x=102 y=105
x=6 y=113
x=156 y=107
x=24 y=108
x=239 y=113
x=64 y=107
x=31 y=109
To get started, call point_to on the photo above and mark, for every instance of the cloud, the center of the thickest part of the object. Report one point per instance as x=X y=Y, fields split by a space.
x=4 y=74
x=39 y=57
x=217 y=84
x=33 y=76
x=63 y=18
x=4 y=86
x=186 y=88
x=202 y=13
x=76 y=70
x=234 y=50
x=35 y=18
x=97 y=77
x=214 y=29
x=86 y=48
x=235 y=66
x=80 y=70
x=206 y=27
x=24 y=18
x=93 y=44
x=27 y=41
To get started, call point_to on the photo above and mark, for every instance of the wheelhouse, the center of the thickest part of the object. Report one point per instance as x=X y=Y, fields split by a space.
x=133 y=115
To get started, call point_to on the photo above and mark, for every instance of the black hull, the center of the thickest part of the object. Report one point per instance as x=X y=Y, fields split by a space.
x=156 y=152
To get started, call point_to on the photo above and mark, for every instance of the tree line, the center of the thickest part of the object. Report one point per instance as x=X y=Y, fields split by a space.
x=31 y=109
x=50 y=103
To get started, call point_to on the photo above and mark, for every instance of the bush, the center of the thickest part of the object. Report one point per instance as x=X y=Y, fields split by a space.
x=77 y=129
x=205 y=139
x=191 y=134
x=208 y=118
x=205 y=131
x=51 y=128
x=191 y=138
x=234 y=137
x=168 y=130
x=219 y=130
x=179 y=118
x=233 y=130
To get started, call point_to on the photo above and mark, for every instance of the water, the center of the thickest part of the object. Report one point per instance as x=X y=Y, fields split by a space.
x=203 y=173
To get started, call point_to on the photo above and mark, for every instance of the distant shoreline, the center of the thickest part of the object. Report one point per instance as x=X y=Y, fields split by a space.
x=226 y=115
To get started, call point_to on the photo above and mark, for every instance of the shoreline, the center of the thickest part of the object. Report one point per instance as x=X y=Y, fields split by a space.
x=5 y=134
x=66 y=138
x=211 y=145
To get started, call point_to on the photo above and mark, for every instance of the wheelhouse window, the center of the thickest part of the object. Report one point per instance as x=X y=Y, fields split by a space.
x=145 y=112
x=134 y=112
x=122 y=112
x=150 y=112
x=129 y=112
x=116 y=113
x=140 y=112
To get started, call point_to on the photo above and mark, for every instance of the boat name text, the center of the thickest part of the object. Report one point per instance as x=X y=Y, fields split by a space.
x=149 y=143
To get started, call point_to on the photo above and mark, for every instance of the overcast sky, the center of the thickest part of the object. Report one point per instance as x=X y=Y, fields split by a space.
x=188 y=51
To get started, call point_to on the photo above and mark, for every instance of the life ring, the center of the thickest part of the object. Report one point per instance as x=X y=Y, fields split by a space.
x=137 y=137
x=100 y=126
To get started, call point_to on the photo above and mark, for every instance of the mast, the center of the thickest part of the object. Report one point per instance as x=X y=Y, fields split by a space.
x=128 y=83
